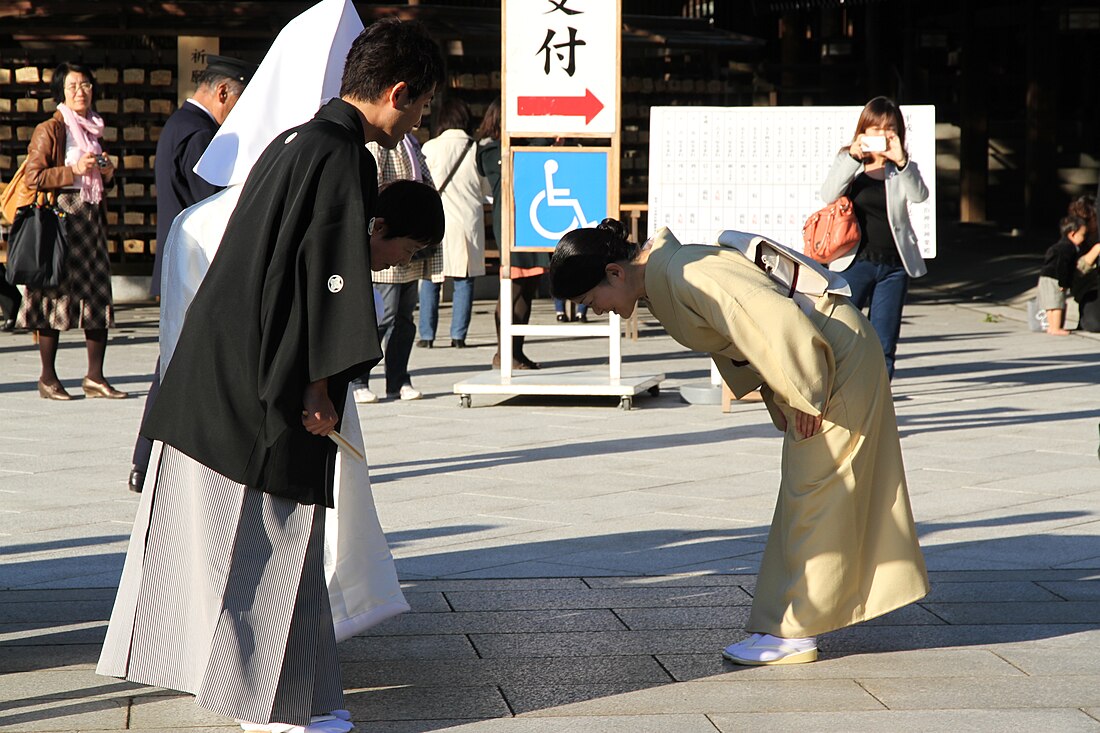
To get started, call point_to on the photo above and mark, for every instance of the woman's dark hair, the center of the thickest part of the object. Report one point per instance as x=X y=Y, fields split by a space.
x=411 y=209
x=453 y=115
x=879 y=112
x=392 y=50
x=1069 y=224
x=581 y=257
x=490 y=123
x=1085 y=208
x=57 y=84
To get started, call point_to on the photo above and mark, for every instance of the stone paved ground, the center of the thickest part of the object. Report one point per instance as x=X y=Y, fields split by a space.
x=575 y=567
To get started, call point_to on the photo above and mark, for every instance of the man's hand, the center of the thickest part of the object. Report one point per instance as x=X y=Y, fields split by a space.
x=318 y=414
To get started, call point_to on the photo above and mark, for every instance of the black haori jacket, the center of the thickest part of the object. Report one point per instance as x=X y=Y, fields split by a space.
x=288 y=300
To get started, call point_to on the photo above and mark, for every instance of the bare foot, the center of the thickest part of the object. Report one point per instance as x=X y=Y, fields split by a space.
x=1057 y=332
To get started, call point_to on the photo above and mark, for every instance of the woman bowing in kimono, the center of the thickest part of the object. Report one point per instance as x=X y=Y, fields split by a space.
x=842 y=546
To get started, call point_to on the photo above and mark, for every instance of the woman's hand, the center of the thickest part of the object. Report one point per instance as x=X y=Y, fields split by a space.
x=84 y=165
x=894 y=151
x=318 y=414
x=856 y=150
x=806 y=425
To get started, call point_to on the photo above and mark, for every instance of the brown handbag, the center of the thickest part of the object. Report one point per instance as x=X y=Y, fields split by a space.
x=831 y=232
x=15 y=195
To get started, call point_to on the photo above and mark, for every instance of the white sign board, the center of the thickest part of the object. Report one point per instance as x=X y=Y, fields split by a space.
x=759 y=169
x=560 y=69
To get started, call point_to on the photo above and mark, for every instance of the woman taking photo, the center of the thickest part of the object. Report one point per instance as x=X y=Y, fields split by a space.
x=842 y=546
x=875 y=172
x=65 y=159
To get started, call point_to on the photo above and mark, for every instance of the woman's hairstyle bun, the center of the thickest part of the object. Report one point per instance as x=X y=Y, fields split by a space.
x=614 y=226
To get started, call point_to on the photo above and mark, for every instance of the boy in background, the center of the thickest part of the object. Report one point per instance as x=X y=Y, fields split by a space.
x=1056 y=274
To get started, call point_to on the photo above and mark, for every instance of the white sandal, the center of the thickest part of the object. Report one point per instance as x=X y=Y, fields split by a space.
x=337 y=721
x=765 y=649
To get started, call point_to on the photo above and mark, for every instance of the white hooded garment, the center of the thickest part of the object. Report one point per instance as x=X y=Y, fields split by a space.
x=300 y=72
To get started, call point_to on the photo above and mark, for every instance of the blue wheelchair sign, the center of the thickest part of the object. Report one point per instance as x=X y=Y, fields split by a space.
x=556 y=192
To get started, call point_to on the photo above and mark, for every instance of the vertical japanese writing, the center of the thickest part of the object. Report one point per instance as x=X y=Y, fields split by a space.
x=565 y=51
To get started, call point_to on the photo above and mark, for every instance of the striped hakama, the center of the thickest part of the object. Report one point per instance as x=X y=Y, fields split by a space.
x=223 y=596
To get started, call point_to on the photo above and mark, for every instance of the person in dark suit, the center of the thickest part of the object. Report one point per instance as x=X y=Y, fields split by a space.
x=182 y=142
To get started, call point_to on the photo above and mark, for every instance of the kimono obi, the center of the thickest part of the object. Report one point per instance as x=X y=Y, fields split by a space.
x=803 y=279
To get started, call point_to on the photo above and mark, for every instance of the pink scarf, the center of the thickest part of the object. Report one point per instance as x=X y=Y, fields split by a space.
x=85 y=132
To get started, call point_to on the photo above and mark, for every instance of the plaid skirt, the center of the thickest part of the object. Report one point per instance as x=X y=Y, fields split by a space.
x=83 y=299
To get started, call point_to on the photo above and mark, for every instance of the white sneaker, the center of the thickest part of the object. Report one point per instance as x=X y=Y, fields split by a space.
x=765 y=649
x=364 y=396
x=408 y=392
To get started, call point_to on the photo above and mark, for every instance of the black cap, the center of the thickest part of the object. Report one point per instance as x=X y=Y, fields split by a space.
x=230 y=67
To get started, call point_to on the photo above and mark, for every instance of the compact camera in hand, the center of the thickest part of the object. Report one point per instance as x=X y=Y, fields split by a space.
x=101 y=160
x=873 y=143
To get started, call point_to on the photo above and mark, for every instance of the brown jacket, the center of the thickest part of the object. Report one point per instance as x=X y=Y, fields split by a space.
x=46 y=169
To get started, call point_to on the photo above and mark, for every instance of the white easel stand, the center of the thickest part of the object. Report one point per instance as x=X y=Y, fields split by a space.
x=557 y=381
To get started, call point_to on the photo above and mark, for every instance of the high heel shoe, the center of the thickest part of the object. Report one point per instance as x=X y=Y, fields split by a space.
x=52 y=391
x=97 y=389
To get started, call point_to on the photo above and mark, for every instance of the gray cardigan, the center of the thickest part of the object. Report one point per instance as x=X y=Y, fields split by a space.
x=902 y=187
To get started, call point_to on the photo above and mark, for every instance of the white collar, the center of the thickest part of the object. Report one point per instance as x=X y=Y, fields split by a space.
x=197 y=103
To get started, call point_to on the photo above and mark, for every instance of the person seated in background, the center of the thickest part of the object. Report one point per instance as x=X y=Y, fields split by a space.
x=1056 y=274
x=1086 y=281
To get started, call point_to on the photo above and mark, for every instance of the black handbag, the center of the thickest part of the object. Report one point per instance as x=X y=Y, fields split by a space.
x=37 y=246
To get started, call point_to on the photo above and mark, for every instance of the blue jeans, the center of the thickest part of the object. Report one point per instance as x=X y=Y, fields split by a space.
x=462 y=306
x=882 y=290
x=559 y=307
x=395 y=322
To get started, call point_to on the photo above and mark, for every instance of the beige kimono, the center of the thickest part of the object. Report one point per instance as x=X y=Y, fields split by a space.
x=842 y=546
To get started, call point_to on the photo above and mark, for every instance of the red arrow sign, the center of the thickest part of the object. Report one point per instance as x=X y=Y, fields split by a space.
x=587 y=106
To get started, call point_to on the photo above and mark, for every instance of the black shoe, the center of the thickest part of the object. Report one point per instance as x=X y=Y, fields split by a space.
x=458 y=343
x=424 y=344
x=583 y=318
x=137 y=478
x=562 y=318
x=8 y=325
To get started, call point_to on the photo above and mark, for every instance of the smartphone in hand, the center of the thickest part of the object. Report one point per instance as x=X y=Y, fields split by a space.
x=873 y=143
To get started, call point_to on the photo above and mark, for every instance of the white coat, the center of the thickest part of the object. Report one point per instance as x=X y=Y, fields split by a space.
x=464 y=238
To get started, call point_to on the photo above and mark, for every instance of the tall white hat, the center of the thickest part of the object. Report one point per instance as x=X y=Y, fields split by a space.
x=301 y=71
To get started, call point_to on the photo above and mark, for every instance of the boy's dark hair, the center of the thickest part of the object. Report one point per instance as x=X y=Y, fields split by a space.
x=392 y=50
x=411 y=209
x=57 y=84
x=453 y=115
x=1069 y=224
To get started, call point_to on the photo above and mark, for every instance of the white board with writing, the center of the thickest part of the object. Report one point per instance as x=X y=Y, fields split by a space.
x=561 y=67
x=759 y=169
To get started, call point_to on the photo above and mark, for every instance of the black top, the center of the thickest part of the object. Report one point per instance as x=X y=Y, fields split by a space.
x=1060 y=262
x=876 y=242
x=488 y=165
x=182 y=142
x=282 y=305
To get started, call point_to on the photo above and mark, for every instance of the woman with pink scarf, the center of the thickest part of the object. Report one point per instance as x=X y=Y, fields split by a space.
x=65 y=160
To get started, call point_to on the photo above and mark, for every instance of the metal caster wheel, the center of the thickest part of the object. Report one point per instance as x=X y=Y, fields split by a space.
x=464 y=400
x=626 y=403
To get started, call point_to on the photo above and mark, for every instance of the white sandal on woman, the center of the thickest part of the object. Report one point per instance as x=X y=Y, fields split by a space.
x=765 y=649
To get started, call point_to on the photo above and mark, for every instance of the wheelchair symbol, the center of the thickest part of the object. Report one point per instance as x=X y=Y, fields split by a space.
x=556 y=198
